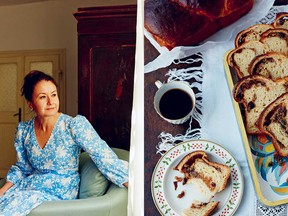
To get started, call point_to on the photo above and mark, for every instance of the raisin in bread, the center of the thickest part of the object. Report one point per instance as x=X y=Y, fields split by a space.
x=276 y=40
x=256 y=92
x=241 y=57
x=281 y=20
x=273 y=121
x=253 y=33
x=210 y=177
x=182 y=23
x=271 y=65
x=202 y=209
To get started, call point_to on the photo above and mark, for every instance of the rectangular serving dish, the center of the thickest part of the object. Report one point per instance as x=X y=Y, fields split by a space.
x=271 y=185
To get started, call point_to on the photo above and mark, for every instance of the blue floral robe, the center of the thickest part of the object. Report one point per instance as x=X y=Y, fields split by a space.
x=51 y=173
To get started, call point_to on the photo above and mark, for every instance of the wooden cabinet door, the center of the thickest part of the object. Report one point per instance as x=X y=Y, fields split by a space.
x=106 y=60
x=112 y=80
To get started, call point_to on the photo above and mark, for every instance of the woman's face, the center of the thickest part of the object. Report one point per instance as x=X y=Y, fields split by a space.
x=45 y=101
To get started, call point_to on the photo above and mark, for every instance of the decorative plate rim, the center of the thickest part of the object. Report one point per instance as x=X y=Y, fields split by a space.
x=237 y=184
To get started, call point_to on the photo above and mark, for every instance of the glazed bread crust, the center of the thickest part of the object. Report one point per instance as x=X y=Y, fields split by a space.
x=188 y=22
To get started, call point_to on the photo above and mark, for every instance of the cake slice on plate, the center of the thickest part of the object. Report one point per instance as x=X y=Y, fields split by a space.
x=210 y=177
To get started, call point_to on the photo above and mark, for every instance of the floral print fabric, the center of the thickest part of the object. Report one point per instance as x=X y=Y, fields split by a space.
x=51 y=173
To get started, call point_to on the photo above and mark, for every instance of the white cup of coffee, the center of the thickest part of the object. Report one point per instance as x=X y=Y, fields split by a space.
x=174 y=101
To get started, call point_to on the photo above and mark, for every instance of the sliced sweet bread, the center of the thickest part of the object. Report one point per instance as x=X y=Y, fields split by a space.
x=281 y=20
x=256 y=92
x=252 y=33
x=271 y=65
x=276 y=39
x=241 y=57
x=210 y=177
x=201 y=209
x=188 y=160
x=274 y=122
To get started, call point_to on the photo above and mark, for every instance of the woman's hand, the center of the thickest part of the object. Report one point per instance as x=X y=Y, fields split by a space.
x=2 y=192
x=5 y=187
x=126 y=184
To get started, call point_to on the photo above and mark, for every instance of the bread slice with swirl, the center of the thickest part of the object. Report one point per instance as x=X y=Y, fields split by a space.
x=188 y=160
x=276 y=39
x=210 y=177
x=281 y=20
x=201 y=209
x=253 y=33
x=271 y=65
x=274 y=122
x=241 y=57
x=255 y=92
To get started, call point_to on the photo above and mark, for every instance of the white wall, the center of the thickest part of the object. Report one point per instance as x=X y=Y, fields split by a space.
x=48 y=25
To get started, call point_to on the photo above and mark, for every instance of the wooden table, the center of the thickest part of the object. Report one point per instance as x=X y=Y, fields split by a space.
x=154 y=125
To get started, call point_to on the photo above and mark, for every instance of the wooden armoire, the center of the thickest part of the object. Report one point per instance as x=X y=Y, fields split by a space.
x=106 y=60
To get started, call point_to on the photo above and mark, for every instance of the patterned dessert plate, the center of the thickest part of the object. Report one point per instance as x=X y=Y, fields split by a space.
x=165 y=192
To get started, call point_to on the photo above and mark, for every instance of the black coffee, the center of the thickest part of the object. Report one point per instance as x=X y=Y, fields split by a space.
x=175 y=104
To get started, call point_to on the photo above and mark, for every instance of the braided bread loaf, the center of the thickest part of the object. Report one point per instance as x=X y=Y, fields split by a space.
x=188 y=22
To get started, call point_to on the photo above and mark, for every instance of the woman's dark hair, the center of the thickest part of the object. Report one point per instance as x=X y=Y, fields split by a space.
x=31 y=79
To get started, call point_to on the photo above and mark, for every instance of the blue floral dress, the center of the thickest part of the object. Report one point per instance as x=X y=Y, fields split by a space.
x=51 y=173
